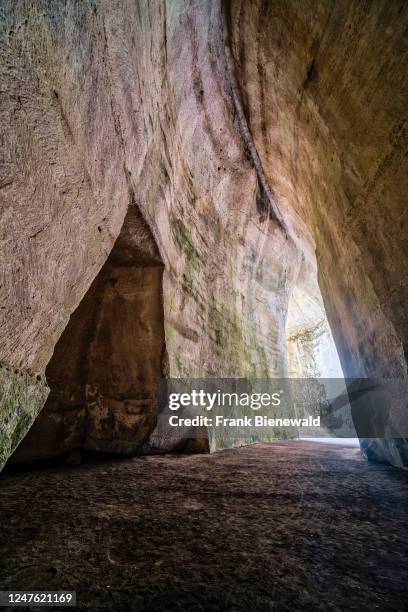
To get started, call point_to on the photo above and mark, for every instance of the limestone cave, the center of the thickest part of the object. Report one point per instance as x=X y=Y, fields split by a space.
x=204 y=199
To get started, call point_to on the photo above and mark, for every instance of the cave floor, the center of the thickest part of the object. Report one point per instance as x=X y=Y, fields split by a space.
x=287 y=526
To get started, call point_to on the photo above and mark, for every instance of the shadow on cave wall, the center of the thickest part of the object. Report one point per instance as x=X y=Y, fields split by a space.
x=104 y=370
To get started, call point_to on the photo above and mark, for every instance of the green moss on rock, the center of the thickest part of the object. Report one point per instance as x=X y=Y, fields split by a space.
x=185 y=243
x=22 y=395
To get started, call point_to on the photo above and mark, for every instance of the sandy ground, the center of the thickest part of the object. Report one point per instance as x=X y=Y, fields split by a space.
x=289 y=526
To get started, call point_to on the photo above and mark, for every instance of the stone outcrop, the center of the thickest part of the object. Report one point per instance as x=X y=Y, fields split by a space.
x=247 y=136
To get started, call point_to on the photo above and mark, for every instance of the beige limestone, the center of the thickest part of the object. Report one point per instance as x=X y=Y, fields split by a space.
x=246 y=134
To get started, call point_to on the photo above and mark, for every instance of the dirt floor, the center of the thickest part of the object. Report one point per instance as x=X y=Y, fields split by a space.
x=289 y=526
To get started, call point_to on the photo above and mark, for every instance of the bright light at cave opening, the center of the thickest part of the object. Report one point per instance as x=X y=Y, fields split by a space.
x=311 y=351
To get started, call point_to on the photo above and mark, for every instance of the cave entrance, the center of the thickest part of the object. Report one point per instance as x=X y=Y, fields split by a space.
x=312 y=353
x=104 y=370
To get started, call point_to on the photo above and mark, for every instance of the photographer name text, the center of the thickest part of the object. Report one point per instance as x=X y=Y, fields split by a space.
x=246 y=421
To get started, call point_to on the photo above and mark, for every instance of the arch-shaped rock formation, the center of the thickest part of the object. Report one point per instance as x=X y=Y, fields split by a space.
x=104 y=370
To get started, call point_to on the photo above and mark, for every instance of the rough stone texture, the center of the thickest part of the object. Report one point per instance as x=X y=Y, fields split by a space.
x=290 y=526
x=23 y=396
x=246 y=134
x=104 y=370
x=326 y=98
x=99 y=114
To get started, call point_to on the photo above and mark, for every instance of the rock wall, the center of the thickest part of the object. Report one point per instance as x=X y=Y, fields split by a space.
x=325 y=95
x=246 y=134
x=98 y=115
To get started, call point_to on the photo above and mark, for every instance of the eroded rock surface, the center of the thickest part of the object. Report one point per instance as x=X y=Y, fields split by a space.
x=104 y=370
x=246 y=134
x=326 y=100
